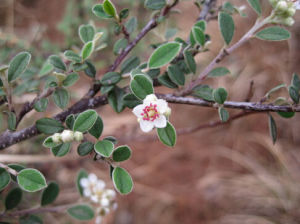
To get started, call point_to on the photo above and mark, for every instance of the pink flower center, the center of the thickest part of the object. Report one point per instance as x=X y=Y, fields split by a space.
x=150 y=112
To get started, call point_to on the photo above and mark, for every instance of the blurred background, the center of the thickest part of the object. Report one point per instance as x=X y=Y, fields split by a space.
x=230 y=174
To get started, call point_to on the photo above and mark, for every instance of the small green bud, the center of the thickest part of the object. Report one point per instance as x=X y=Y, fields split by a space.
x=168 y=112
x=78 y=136
x=288 y=21
x=291 y=11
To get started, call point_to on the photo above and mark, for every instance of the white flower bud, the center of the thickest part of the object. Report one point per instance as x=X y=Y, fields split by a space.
x=78 y=136
x=98 y=219
x=56 y=138
x=288 y=21
x=291 y=11
x=282 y=6
x=168 y=112
x=67 y=136
x=110 y=194
x=150 y=98
x=104 y=202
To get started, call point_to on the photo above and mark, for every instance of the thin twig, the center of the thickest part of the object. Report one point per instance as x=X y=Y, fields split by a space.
x=8 y=169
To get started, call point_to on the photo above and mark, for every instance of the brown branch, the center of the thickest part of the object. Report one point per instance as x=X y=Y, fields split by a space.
x=38 y=210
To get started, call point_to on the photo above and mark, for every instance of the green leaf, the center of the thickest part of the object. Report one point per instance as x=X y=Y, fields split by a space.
x=17 y=168
x=106 y=89
x=97 y=128
x=201 y=24
x=61 y=97
x=220 y=95
x=166 y=81
x=130 y=100
x=217 y=72
x=87 y=50
x=255 y=4
x=109 y=8
x=190 y=61
x=85 y=120
x=167 y=135
x=286 y=114
x=81 y=174
x=71 y=79
x=4 y=178
x=141 y=86
x=46 y=69
x=131 y=25
x=111 y=139
x=115 y=99
x=85 y=148
x=104 y=148
x=61 y=150
x=124 y=13
x=11 y=121
x=57 y=63
x=273 y=33
x=275 y=89
x=226 y=25
x=122 y=180
x=81 y=212
x=155 y=4
x=72 y=56
x=296 y=81
x=31 y=219
x=110 y=78
x=122 y=153
x=99 y=12
x=31 y=180
x=41 y=105
x=223 y=114
x=176 y=75
x=90 y=70
x=130 y=64
x=49 y=126
x=164 y=54
x=18 y=65
x=294 y=94
x=48 y=143
x=120 y=45
x=86 y=33
x=272 y=129
x=70 y=121
x=199 y=36
x=50 y=194
x=13 y=198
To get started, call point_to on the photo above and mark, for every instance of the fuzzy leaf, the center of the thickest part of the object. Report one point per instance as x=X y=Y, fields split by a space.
x=167 y=135
x=226 y=25
x=122 y=180
x=18 y=65
x=273 y=33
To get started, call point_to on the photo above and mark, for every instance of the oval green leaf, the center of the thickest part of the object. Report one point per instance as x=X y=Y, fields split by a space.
x=97 y=128
x=50 y=194
x=141 y=86
x=57 y=63
x=13 y=198
x=155 y=4
x=99 y=12
x=274 y=33
x=176 y=75
x=167 y=135
x=122 y=153
x=226 y=25
x=86 y=33
x=41 y=105
x=85 y=148
x=104 y=148
x=109 y=8
x=217 y=72
x=85 y=120
x=223 y=114
x=220 y=95
x=110 y=78
x=164 y=54
x=4 y=178
x=31 y=180
x=81 y=212
x=61 y=97
x=18 y=65
x=49 y=126
x=61 y=150
x=122 y=180
x=87 y=50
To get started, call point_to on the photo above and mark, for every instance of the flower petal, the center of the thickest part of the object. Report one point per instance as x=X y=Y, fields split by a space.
x=146 y=126
x=150 y=98
x=92 y=178
x=138 y=110
x=84 y=182
x=160 y=122
x=162 y=106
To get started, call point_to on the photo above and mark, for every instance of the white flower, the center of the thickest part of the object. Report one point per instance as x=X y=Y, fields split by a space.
x=151 y=113
x=104 y=202
x=78 y=136
x=56 y=138
x=67 y=136
x=110 y=194
x=98 y=219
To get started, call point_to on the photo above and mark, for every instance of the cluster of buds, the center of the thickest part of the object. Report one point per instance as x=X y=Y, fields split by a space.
x=94 y=189
x=284 y=10
x=67 y=136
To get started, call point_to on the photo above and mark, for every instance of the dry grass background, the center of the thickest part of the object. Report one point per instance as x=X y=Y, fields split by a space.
x=229 y=175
